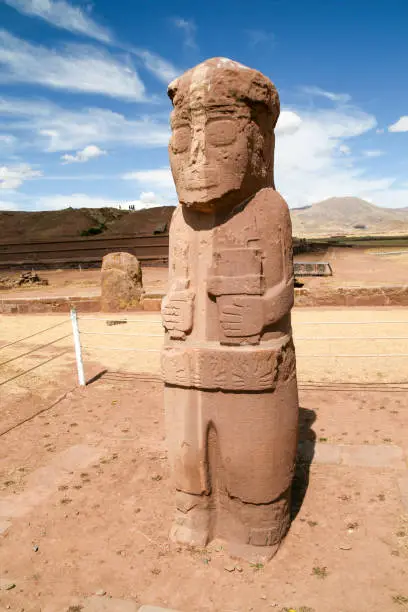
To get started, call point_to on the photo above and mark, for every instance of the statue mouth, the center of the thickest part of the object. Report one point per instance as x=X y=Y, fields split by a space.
x=201 y=179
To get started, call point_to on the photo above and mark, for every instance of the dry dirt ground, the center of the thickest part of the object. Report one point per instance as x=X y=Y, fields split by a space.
x=360 y=267
x=85 y=491
x=351 y=267
x=73 y=283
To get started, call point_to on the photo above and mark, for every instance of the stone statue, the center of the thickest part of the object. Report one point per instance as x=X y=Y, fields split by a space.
x=228 y=363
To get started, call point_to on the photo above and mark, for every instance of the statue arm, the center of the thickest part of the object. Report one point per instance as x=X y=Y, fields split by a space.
x=178 y=304
x=278 y=301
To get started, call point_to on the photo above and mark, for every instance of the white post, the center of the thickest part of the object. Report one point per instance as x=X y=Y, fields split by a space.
x=77 y=345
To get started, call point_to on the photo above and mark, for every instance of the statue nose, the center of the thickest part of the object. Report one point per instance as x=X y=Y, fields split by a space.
x=197 y=151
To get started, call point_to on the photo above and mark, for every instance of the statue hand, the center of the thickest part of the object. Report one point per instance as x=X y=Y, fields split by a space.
x=241 y=317
x=177 y=312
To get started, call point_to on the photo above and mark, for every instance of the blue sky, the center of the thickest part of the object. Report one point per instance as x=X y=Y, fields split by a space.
x=84 y=110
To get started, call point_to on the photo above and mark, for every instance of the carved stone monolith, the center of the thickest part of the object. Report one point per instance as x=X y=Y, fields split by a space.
x=121 y=282
x=228 y=363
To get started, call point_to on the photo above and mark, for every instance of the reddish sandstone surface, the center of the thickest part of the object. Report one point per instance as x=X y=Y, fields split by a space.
x=228 y=361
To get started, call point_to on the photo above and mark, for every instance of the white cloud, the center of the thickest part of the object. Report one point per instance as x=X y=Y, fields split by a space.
x=373 y=153
x=158 y=186
x=81 y=68
x=75 y=200
x=308 y=165
x=148 y=199
x=396 y=197
x=11 y=177
x=161 y=68
x=8 y=205
x=89 y=152
x=288 y=122
x=334 y=97
x=400 y=126
x=73 y=130
x=53 y=128
x=25 y=108
x=160 y=178
x=63 y=15
x=187 y=26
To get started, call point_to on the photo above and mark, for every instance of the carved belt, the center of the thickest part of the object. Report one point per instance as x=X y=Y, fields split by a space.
x=244 y=368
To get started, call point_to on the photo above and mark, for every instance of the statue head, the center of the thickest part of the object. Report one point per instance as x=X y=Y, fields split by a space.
x=222 y=144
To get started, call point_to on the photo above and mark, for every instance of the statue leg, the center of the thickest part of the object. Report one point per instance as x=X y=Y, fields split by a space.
x=257 y=436
x=186 y=447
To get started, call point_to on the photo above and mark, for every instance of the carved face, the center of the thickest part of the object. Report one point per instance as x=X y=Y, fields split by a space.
x=221 y=151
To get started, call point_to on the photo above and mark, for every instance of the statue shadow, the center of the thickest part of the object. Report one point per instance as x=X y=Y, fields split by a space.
x=304 y=458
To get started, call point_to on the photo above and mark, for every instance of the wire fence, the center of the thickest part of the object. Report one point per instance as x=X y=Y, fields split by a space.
x=146 y=337
x=151 y=328
x=32 y=351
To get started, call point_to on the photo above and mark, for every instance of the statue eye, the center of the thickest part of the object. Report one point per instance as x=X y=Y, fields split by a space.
x=180 y=139
x=221 y=133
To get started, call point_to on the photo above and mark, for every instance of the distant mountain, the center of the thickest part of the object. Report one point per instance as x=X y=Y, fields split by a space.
x=348 y=216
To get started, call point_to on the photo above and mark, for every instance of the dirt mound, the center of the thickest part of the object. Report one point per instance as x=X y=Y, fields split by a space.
x=335 y=216
x=348 y=216
x=71 y=223
x=148 y=221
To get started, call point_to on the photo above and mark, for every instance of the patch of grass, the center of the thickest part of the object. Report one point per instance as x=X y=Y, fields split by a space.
x=256 y=566
x=312 y=523
x=93 y=231
x=322 y=439
x=320 y=572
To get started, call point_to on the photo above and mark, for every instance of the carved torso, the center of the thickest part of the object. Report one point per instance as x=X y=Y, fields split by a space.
x=227 y=314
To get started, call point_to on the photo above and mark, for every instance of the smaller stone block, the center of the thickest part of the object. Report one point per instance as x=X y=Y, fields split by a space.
x=121 y=283
x=109 y=604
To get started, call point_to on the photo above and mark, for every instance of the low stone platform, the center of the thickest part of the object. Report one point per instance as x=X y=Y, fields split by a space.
x=382 y=295
x=59 y=304
x=304 y=298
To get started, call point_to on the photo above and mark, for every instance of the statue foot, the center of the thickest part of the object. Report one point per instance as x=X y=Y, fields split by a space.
x=252 y=554
x=191 y=528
